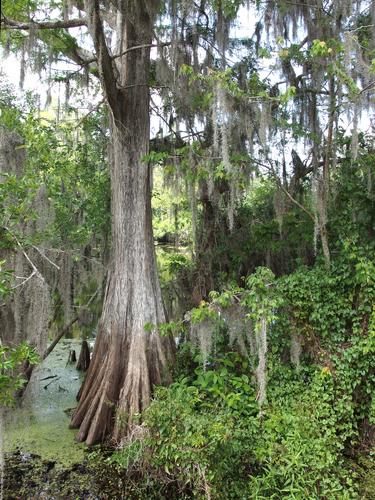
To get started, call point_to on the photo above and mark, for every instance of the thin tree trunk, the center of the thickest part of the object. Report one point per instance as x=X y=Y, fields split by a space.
x=326 y=175
x=128 y=358
x=204 y=281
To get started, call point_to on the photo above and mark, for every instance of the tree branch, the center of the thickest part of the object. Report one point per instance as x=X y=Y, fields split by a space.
x=283 y=189
x=78 y=55
x=45 y=257
x=33 y=266
x=368 y=87
x=106 y=66
x=143 y=46
x=135 y=47
x=44 y=25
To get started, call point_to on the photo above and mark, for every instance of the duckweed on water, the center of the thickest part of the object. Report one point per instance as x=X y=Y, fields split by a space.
x=40 y=423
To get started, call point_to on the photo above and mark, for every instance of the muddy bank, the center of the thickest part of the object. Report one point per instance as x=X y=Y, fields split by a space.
x=29 y=476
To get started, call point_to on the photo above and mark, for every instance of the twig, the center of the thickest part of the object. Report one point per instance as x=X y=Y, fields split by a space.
x=130 y=49
x=279 y=183
x=25 y=280
x=45 y=257
x=35 y=269
x=95 y=108
x=368 y=87
x=47 y=378
x=49 y=383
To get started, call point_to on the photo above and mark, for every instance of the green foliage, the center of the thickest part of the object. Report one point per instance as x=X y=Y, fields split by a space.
x=70 y=163
x=205 y=432
x=207 y=436
x=259 y=297
x=366 y=476
x=11 y=111
x=16 y=198
x=194 y=434
x=203 y=312
x=298 y=449
x=5 y=280
x=11 y=362
x=171 y=212
x=75 y=175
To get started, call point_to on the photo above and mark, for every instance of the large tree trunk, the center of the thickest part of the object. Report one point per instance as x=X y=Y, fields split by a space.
x=129 y=357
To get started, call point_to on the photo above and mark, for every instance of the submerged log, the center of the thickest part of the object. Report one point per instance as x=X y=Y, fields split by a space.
x=84 y=357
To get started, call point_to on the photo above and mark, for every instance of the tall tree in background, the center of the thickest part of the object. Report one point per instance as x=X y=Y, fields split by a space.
x=128 y=358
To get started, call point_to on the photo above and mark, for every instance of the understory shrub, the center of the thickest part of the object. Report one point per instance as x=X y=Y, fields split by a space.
x=313 y=435
x=207 y=438
x=12 y=360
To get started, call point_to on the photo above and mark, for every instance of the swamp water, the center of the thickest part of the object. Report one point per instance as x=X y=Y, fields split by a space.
x=42 y=458
x=40 y=424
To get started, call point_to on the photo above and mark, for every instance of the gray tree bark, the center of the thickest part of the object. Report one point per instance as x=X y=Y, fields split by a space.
x=128 y=359
x=24 y=316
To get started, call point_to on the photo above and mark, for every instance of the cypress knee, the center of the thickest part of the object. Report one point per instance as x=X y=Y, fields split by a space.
x=84 y=357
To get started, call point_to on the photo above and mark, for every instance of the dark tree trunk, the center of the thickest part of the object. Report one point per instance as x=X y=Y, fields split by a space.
x=128 y=359
x=72 y=356
x=206 y=241
x=84 y=357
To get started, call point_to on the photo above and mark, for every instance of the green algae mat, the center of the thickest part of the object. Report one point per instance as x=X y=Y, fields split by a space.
x=40 y=423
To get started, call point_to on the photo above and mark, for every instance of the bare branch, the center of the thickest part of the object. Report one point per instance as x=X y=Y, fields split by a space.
x=45 y=257
x=44 y=25
x=370 y=86
x=92 y=110
x=143 y=46
x=283 y=189
x=130 y=49
x=293 y=200
x=33 y=266
x=25 y=280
